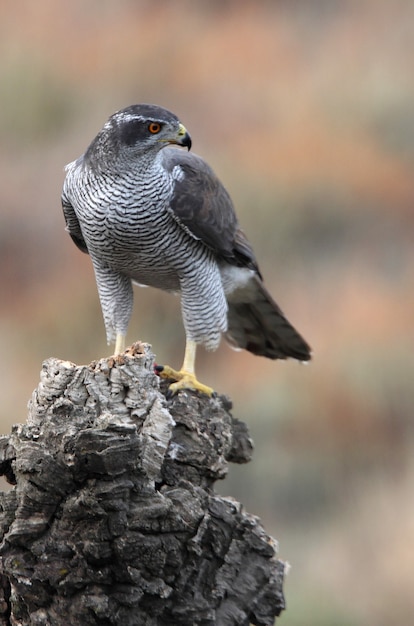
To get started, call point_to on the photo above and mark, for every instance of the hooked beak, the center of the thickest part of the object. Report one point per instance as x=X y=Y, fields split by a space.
x=183 y=138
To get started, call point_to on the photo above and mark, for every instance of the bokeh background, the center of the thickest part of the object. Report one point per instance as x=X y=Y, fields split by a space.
x=305 y=110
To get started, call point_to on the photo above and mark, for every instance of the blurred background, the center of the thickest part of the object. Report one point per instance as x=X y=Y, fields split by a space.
x=305 y=110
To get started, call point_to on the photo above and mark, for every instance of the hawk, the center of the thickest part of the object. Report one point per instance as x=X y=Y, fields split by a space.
x=149 y=213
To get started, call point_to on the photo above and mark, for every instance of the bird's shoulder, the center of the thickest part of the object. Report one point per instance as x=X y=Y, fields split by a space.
x=202 y=205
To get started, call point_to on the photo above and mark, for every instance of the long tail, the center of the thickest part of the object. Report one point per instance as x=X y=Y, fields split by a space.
x=259 y=326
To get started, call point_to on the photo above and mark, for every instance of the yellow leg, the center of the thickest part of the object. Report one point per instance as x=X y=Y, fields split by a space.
x=119 y=344
x=185 y=377
x=189 y=357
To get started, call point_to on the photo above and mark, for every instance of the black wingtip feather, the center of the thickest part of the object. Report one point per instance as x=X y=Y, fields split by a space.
x=260 y=327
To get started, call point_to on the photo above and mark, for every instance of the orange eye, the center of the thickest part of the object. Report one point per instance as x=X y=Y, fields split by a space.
x=154 y=128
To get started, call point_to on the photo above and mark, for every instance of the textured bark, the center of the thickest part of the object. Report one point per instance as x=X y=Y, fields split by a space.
x=113 y=518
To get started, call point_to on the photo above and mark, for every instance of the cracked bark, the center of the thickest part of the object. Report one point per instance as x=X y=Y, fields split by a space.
x=113 y=518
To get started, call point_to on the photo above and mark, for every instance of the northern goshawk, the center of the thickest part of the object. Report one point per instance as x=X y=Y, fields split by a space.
x=155 y=215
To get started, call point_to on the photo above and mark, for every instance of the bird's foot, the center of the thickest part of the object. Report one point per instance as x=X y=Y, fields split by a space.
x=184 y=380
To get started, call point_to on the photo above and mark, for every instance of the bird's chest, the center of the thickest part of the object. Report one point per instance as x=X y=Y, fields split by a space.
x=127 y=216
x=128 y=226
x=133 y=231
x=138 y=240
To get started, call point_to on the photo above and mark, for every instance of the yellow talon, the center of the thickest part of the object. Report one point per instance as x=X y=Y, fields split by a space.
x=185 y=377
x=184 y=380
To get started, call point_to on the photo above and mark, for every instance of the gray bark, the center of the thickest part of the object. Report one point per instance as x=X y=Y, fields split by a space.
x=113 y=518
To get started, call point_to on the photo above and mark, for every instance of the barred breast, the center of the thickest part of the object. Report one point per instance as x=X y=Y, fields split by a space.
x=127 y=227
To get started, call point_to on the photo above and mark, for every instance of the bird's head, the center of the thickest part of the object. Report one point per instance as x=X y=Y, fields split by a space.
x=138 y=130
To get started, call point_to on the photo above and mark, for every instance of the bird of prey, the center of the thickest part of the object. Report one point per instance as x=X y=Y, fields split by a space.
x=151 y=214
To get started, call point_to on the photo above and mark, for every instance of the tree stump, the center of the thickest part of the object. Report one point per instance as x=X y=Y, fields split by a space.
x=113 y=517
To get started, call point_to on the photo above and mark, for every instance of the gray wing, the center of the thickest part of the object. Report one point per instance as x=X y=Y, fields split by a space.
x=72 y=222
x=203 y=207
